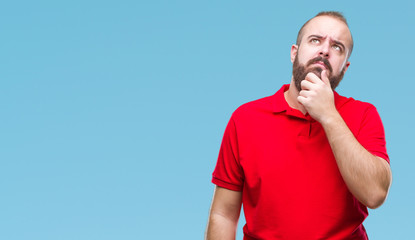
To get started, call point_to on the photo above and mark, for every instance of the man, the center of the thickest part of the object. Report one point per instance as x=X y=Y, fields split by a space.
x=306 y=162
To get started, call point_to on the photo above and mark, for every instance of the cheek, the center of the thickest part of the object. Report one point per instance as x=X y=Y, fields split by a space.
x=342 y=62
x=338 y=66
x=306 y=54
x=302 y=58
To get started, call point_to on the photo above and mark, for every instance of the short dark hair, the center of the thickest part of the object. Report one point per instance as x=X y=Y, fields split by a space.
x=334 y=14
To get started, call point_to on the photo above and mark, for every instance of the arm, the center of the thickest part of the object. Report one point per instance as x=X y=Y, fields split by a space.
x=368 y=177
x=224 y=214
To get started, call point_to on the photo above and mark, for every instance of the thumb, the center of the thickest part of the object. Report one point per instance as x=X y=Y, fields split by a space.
x=325 y=78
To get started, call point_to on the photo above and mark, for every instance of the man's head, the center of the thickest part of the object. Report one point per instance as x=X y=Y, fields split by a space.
x=323 y=42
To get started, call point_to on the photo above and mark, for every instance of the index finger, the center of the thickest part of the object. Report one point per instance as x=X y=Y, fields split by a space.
x=312 y=77
x=325 y=77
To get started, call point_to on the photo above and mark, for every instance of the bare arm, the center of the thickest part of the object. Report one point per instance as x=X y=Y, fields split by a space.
x=368 y=177
x=224 y=214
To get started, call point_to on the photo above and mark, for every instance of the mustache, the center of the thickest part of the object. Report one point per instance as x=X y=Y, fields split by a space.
x=321 y=59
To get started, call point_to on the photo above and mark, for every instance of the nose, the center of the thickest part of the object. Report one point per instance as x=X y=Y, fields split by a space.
x=324 y=51
x=324 y=54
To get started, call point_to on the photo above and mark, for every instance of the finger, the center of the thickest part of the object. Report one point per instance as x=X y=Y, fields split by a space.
x=325 y=78
x=306 y=93
x=301 y=100
x=312 y=77
x=306 y=85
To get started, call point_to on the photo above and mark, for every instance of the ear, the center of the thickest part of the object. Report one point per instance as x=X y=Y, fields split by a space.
x=346 y=66
x=294 y=50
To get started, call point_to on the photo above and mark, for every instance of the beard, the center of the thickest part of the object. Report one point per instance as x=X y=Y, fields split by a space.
x=301 y=71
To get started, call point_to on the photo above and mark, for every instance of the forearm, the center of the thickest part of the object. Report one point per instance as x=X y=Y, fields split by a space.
x=368 y=177
x=220 y=227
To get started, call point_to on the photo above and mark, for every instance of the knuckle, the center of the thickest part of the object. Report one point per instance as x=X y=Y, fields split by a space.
x=311 y=75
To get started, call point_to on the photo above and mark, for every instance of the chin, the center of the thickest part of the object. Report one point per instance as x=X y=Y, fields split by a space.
x=317 y=71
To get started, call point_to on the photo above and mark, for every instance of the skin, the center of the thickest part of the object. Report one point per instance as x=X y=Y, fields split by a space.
x=224 y=214
x=368 y=177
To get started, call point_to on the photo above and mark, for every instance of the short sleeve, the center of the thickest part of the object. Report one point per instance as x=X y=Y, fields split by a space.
x=372 y=134
x=228 y=172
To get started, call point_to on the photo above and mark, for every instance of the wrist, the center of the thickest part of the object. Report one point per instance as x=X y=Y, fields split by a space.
x=330 y=119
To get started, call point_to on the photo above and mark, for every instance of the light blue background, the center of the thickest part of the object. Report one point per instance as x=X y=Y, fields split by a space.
x=112 y=112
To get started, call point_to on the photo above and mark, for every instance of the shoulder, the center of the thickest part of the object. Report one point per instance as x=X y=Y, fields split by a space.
x=253 y=108
x=358 y=114
x=353 y=106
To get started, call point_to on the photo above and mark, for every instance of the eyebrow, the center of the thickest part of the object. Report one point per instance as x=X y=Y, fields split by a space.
x=321 y=37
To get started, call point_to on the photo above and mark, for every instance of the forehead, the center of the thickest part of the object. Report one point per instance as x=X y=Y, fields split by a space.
x=327 y=26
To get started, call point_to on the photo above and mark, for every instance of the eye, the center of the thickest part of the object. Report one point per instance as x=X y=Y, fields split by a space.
x=337 y=48
x=315 y=40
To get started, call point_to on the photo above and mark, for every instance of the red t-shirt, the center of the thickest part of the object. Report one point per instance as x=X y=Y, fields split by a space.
x=283 y=164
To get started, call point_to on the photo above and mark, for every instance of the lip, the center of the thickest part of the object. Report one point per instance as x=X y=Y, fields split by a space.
x=321 y=64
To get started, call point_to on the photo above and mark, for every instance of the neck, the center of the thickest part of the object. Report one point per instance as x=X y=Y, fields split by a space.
x=291 y=97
